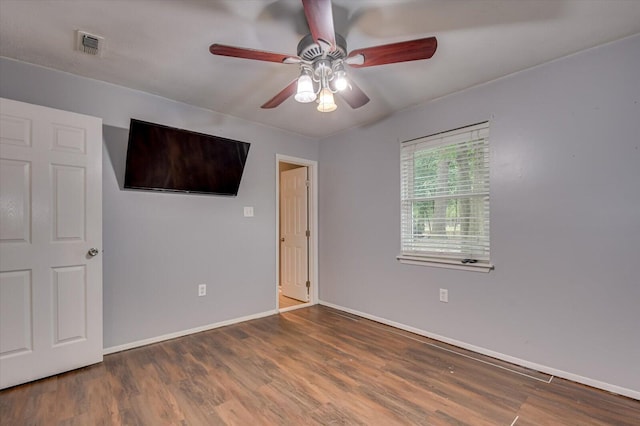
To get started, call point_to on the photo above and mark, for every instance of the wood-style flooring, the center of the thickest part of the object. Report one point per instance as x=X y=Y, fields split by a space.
x=287 y=302
x=311 y=366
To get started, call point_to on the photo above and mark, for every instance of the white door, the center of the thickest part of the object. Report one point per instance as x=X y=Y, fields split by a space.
x=294 y=236
x=50 y=218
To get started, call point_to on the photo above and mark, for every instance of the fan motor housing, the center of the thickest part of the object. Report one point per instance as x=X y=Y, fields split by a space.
x=309 y=50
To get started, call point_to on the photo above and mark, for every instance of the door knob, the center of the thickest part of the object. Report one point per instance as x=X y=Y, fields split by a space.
x=93 y=252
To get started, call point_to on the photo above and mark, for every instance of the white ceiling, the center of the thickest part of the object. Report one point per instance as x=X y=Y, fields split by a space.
x=161 y=47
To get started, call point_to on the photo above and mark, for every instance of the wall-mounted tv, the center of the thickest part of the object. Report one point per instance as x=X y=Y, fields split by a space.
x=162 y=158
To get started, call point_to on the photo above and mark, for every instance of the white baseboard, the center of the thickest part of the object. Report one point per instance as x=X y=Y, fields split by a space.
x=521 y=362
x=144 y=342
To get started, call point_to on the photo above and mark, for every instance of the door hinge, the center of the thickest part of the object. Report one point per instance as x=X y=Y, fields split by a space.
x=307 y=182
x=307 y=233
x=308 y=285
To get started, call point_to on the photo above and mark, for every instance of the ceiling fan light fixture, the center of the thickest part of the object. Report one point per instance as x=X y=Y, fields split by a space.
x=322 y=56
x=326 y=102
x=305 y=92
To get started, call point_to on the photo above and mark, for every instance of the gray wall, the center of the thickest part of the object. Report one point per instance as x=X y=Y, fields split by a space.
x=565 y=219
x=159 y=246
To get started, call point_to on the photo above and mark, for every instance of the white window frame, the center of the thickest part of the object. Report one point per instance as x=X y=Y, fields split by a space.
x=473 y=256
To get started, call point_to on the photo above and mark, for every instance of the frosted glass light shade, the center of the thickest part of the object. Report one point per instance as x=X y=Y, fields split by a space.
x=326 y=102
x=305 y=92
x=341 y=80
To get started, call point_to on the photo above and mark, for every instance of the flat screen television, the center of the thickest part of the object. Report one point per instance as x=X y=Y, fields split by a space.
x=162 y=158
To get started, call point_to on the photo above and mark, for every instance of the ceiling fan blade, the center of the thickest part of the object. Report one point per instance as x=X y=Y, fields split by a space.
x=403 y=51
x=282 y=96
x=320 y=19
x=354 y=95
x=258 y=55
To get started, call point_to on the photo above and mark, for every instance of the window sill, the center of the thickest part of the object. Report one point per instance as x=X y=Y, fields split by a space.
x=444 y=263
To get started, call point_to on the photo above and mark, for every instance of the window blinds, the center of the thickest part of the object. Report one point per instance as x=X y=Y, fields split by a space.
x=445 y=195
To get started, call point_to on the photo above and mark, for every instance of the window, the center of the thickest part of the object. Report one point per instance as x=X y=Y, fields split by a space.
x=445 y=199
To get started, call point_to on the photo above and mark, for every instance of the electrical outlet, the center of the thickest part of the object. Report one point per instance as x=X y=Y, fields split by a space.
x=444 y=295
x=202 y=290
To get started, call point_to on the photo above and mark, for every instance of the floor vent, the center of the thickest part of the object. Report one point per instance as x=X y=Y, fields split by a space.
x=90 y=44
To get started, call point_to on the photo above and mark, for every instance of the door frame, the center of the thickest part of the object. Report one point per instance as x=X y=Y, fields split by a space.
x=313 y=227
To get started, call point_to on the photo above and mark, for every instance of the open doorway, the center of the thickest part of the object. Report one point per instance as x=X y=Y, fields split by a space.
x=296 y=213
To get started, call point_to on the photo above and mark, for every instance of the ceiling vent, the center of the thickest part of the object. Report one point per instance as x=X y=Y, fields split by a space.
x=89 y=43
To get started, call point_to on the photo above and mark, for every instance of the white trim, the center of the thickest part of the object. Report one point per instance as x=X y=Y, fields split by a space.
x=313 y=214
x=527 y=364
x=157 y=339
x=443 y=263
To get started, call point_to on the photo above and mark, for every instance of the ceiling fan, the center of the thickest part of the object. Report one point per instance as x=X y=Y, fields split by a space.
x=322 y=56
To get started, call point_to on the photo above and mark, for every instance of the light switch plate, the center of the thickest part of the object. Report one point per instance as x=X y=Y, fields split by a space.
x=248 y=212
